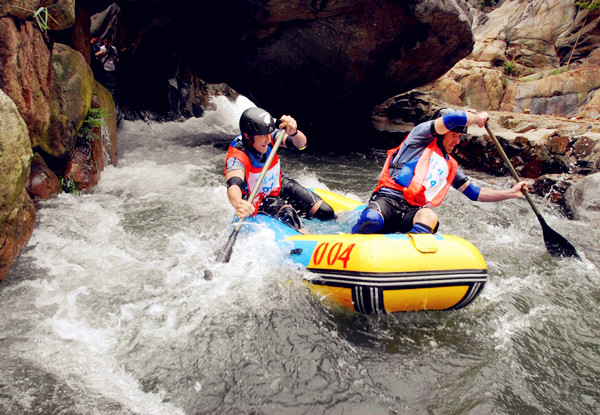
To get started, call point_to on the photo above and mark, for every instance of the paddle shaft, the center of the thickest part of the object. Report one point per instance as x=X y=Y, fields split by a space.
x=225 y=253
x=261 y=176
x=512 y=170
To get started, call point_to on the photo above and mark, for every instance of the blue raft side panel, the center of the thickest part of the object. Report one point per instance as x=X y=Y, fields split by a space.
x=301 y=251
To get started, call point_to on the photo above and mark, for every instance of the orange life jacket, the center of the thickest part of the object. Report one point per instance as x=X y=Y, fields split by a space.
x=433 y=176
x=271 y=184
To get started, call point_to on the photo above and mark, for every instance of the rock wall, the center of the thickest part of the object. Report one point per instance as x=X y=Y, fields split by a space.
x=518 y=63
x=46 y=91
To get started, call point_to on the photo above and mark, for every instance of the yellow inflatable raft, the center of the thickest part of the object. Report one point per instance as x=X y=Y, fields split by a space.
x=389 y=273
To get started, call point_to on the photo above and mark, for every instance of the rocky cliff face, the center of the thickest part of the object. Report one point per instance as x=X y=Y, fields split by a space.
x=519 y=61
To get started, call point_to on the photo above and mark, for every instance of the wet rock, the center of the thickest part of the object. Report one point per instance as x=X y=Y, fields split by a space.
x=103 y=99
x=15 y=154
x=582 y=199
x=42 y=183
x=86 y=163
x=553 y=187
x=15 y=232
x=17 y=214
x=72 y=88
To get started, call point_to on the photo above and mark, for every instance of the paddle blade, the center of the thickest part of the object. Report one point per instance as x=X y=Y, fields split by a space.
x=225 y=254
x=556 y=244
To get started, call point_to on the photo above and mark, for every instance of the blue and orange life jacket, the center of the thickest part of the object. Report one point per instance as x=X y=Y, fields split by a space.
x=431 y=178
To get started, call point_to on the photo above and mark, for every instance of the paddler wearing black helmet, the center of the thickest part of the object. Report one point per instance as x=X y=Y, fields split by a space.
x=278 y=196
x=418 y=173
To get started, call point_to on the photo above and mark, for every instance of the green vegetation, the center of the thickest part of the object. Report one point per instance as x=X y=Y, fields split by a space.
x=592 y=5
x=69 y=186
x=510 y=68
x=93 y=119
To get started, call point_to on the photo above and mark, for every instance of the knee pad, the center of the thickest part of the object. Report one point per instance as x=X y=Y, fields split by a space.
x=370 y=221
x=290 y=217
x=420 y=228
x=325 y=212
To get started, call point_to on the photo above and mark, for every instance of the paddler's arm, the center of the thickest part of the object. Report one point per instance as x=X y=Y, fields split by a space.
x=485 y=194
x=242 y=207
x=295 y=137
x=462 y=118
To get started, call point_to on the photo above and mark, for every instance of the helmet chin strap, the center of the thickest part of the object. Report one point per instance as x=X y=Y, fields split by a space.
x=248 y=143
x=440 y=143
x=248 y=139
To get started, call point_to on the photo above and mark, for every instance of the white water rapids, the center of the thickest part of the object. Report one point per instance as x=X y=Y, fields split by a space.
x=106 y=312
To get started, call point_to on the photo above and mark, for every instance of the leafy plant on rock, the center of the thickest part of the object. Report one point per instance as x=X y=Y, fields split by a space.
x=509 y=68
x=93 y=119
x=69 y=186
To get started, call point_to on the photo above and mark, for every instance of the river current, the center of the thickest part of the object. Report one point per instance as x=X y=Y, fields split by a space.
x=106 y=312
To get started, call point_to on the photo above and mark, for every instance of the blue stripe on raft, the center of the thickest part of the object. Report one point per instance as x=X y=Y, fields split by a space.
x=303 y=251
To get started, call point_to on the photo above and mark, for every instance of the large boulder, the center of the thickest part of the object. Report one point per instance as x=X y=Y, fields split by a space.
x=17 y=214
x=15 y=154
x=72 y=87
x=583 y=199
x=26 y=74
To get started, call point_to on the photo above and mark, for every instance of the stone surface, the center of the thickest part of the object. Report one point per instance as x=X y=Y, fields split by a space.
x=72 y=88
x=15 y=232
x=515 y=63
x=25 y=73
x=17 y=214
x=42 y=183
x=583 y=199
x=15 y=154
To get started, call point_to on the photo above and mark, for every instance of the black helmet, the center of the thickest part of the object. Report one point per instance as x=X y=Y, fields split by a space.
x=257 y=121
x=445 y=111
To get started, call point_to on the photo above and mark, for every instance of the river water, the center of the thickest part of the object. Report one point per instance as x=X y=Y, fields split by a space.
x=107 y=312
